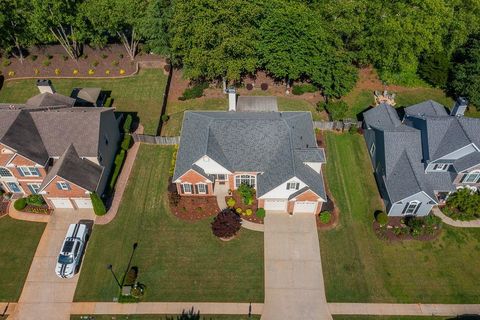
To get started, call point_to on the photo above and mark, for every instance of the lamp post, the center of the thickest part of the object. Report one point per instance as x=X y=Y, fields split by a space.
x=110 y=267
x=135 y=245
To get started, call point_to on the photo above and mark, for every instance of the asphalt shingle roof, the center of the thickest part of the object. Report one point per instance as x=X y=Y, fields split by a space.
x=467 y=162
x=429 y=108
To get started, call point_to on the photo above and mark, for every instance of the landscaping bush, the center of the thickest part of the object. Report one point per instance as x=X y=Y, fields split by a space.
x=95 y=63
x=165 y=117
x=231 y=202
x=127 y=124
x=239 y=210
x=249 y=86
x=194 y=92
x=120 y=55
x=381 y=217
x=173 y=161
x=46 y=62
x=20 y=204
x=463 y=205
x=6 y=62
x=264 y=86
x=33 y=57
x=127 y=142
x=57 y=71
x=260 y=213
x=248 y=212
x=415 y=225
x=104 y=56
x=247 y=193
x=303 y=88
x=91 y=72
x=98 y=205
x=119 y=159
x=226 y=224
x=108 y=102
x=65 y=57
x=325 y=217
x=115 y=63
x=49 y=56
x=35 y=200
x=336 y=109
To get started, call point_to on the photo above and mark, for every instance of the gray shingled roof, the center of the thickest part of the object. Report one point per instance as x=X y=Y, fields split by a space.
x=382 y=117
x=467 y=162
x=429 y=108
x=248 y=141
x=256 y=104
x=71 y=167
x=50 y=99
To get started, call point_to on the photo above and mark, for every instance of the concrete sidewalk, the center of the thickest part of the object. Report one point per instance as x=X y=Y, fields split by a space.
x=406 y=309
x=455 y=223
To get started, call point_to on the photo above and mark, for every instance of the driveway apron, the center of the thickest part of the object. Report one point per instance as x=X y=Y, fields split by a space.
x=44 y=295
x=294 y=287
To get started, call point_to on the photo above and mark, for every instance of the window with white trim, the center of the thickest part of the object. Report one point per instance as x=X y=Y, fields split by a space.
x=372 y=149
x=411 y=207
x=62 y=185
x=14 y=187
x=247 y=179
x=293 y=185
x=202 y=188
x=4 y=172
x=34 y=187
x=187 y=188
x=441 y=166
x=29 y=171
x=472 y=177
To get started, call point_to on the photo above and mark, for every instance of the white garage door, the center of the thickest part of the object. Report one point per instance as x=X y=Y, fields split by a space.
x=82 y=203
x=305 y=206
x=275 y=205
x=61 y=203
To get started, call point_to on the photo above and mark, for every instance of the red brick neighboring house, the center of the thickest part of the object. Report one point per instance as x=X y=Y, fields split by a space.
x=274 y=152
x=50 y=147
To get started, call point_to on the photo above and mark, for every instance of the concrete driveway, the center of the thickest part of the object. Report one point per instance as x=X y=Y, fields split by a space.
x=294 y=287
x=44 y=295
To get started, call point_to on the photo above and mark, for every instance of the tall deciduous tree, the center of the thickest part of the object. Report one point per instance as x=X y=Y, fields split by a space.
x=214 y=39
x=14 y=27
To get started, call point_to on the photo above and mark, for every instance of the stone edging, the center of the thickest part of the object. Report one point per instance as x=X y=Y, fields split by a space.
x=25 y=216
x=455 y=223
x=252 y=226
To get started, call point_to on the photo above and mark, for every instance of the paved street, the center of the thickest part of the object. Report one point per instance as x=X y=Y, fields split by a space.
x=294 y=287
x=44 y=295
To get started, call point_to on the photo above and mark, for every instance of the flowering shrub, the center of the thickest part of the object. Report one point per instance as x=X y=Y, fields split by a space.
x=75 y=72
x=107 y=72
x=11 y=73
x=57 y=71
x=122 y=71
x=91 y=71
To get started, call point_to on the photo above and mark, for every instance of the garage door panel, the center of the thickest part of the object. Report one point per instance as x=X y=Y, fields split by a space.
x=305 y=206
x=61 y=203
x=83 y=203
x=275 y=205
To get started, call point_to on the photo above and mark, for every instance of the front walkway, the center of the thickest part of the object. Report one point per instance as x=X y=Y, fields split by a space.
x=294 y=287
x=44 y=295
x=455 y=223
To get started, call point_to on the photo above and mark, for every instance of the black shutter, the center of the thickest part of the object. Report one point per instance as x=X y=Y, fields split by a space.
x=195 y=189
x=181 y=188
x=405 y=208
x=418 y=208
x=288 y=186
x=297 y=186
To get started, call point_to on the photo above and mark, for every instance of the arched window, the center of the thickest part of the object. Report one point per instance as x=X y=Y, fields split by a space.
x=411 y=207
x=245 y=179
x=4 y=172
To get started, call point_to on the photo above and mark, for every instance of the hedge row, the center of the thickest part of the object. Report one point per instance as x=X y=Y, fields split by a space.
x=97 y=203
x=118 y=163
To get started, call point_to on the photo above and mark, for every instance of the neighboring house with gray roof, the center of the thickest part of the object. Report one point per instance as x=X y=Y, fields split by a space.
x=419 y=161
x=274 y=152
x=51 y=148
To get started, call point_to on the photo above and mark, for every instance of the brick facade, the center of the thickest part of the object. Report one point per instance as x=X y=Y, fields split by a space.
x=194 y=178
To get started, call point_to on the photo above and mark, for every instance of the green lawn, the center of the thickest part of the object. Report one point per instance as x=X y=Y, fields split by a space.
x=289 y=104
x=390 y=318
x=18 y=242
x=142 y=93
x=175 y=111
x=166 y=317
x=177 y=260
x=358 y=267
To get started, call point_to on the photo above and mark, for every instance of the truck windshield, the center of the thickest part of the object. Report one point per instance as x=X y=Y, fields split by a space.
x=63 y=259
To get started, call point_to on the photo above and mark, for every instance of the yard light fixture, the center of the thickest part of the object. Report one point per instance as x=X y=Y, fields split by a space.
x=110 y=267
x=135 y=245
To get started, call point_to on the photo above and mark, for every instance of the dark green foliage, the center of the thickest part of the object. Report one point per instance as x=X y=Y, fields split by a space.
x=33 y=57
x=104 y=56
x=165 y=117
x=127 y=142
x=95 y=63
x=6 y=62
x=127 y=124
x=118 y=163
x=46 y=62
x=35 y=200
x=463 y=205
x=20 y=204
x=325 y=217
x=194 y=92
x=303 y=88
x=465 y=75
x=434 y=69
x=260 y=213
x=247 y=193
x=98 y=205
x=64 y=57
x=108 y=102
x=381 y=217
x=415 y=225
x=336 y=109
x=226 y=224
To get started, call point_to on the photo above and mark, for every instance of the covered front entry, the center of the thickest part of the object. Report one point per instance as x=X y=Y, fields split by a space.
x=61 y=203
x=275 y=205
x=305 y=206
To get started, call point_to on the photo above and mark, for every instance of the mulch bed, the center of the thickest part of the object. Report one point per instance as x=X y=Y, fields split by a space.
x=192 y=208
x=239 y=204
x=37 y=209
x=112 y=58
x=386 y=233
x=4 y=207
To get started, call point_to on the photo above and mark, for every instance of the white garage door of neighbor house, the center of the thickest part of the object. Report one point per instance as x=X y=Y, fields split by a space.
x=61 y=203
x=305 y=206
x=275 y=205
x=83 y=203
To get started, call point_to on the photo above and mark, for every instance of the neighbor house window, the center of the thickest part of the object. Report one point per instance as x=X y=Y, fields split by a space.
x=293 y=185
x=187 y=188
x=471 y=177
x=441 y=166
x=245 y=179
x=372 y=149
x=411 y=207
x=14 y=187
x=34 y=187
x=62 y=185
x=202 y=188
x=5 y=172
x=29 y=171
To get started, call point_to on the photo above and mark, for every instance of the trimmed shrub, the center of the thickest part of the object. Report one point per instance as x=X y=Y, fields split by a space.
x=20 y=204
x=127 y=124
x=247 y=193
x=91 y=72
x=336 y=109
x=75 y=72
x=104 y=56
x=108 y=102
x=226 y=224
x=173 y=161
x=381 y=217
x=49 y=56
x=98 y=205
x=249 y=86
x=127 y=142
x=463 y=204
x=65 y=57
x=46 y=62
x=325 y=217
x=239 y=210
x=57 y=71
x=165 y=117
x=303 y=88
x=119 y=159
x=107 y=72
x=260 y=213
x=122 y=71
x=33 y=57
x=35 y=200
x=264 y=86
x=248 y=212
x=95 y=63
x=231 y=202
x=115 y=63
x=6 y=62
x=194 y=92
